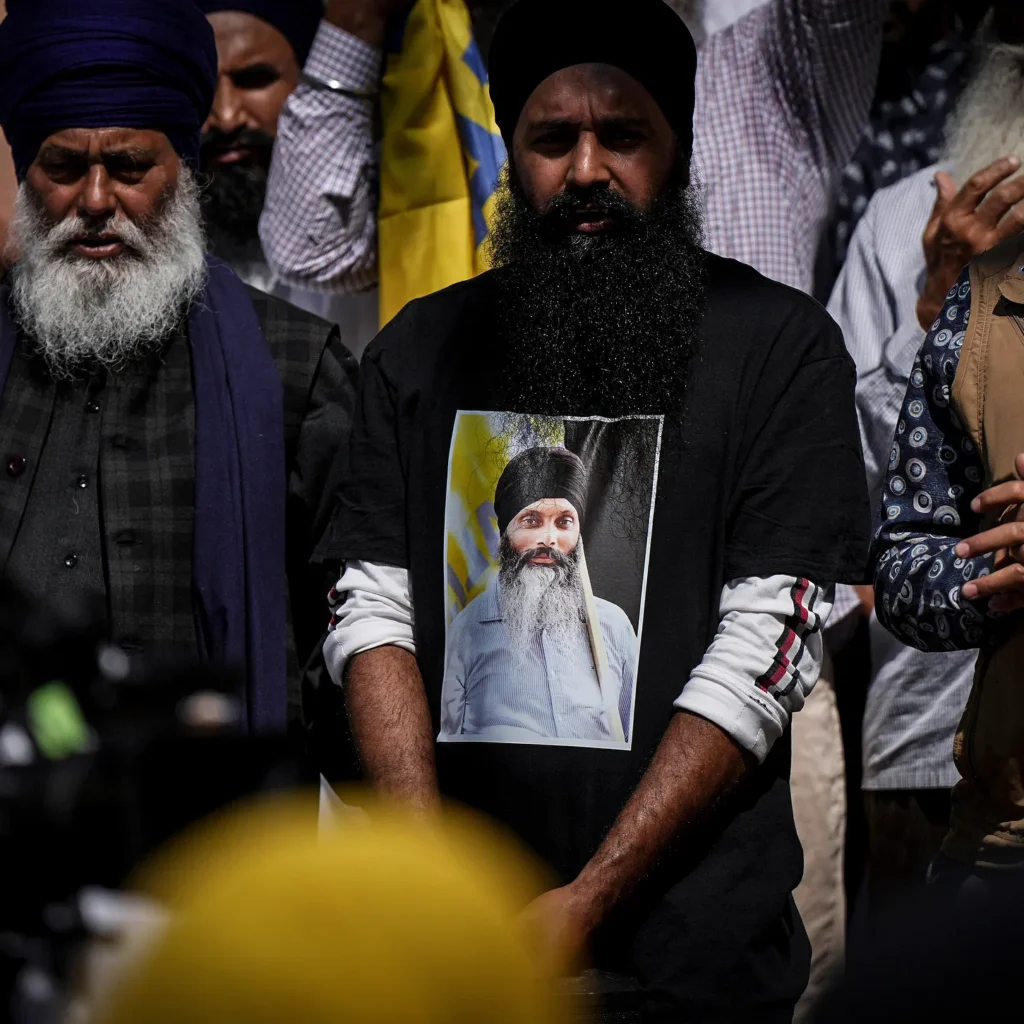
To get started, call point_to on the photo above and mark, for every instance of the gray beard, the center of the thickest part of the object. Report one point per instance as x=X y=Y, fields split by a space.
x=80 y=313
x=988 y=122
x=542 y=598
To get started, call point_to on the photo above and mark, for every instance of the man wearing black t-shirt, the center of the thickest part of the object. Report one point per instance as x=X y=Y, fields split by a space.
x=714 y=412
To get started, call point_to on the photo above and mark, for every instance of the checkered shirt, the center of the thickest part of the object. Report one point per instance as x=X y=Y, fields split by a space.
x=147 y=474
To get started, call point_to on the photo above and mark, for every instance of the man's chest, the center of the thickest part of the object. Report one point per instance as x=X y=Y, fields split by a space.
x=627 y=561
x=104 y=490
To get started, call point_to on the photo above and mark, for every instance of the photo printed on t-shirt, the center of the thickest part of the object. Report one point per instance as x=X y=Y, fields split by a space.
x=548 y=532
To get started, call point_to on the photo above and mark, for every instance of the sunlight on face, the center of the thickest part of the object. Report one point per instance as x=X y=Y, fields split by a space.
x=551 y=523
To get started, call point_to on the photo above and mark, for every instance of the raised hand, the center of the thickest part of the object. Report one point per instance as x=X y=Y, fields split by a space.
x=966 y=223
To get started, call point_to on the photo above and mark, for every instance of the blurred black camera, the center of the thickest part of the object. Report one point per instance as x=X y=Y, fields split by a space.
x=102 y=759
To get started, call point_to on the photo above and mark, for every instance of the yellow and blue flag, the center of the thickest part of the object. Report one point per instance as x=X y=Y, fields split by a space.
x=441 y=155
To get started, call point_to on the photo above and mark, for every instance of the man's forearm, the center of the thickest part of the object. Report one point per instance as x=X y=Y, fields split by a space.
x=390 y=721
x=694 y=768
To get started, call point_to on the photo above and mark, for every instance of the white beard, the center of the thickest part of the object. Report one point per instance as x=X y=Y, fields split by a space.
x=80 y=312
x=988 y=122
x=540 y=597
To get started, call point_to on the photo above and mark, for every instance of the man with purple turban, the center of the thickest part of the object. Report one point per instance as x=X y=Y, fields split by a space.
x=163 y=429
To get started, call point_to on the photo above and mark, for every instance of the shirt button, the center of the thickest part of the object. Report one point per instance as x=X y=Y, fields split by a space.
x=16 y=465
x=82 y=482
x=71 y=560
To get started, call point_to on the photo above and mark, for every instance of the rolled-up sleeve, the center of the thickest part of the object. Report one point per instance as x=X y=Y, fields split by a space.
x=319 y=225
x=764 y=660
x=371 y=606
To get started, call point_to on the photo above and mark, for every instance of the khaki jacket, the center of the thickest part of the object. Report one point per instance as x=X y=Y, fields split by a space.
x=988 y=396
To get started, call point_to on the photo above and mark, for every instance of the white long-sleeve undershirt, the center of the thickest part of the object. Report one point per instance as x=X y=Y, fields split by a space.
x=757 y=672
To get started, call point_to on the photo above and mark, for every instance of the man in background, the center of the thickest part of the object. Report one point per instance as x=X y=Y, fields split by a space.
x=906 y=255
x=261 y=48
x=924 y=66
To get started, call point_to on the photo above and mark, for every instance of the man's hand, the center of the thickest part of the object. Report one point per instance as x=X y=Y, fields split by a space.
x=965 y=224
x=1005 y=584
x=695 y=767
x=367 y=19
x=559 y=923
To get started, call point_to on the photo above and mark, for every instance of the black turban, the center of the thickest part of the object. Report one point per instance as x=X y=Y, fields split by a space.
x=645 y=38
x=104 y=64
x=296 y=20
x=536 y=474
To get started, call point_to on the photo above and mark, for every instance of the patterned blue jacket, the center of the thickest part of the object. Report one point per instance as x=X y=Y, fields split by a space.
x=935 y=471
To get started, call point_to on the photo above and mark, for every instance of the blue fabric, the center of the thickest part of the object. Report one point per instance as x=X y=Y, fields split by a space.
x=935 y=471
x=296 y=20
x=238 y=566
x=105 y=64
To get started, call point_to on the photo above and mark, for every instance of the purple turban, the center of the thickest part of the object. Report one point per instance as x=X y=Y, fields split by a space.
x=296 y=20
x=105 y=64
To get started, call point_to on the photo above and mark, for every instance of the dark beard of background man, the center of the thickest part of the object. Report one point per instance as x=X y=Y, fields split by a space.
x=598 y=325
x=233 y=194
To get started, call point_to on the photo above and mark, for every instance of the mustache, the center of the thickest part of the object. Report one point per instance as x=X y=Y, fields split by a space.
x=76 y=228
x=561 y=562
x=215 y=141
x=561 y=210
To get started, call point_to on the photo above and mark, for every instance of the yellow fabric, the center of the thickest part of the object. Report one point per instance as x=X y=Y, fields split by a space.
x=482 y=446
x=441 y=154
x=388 y=920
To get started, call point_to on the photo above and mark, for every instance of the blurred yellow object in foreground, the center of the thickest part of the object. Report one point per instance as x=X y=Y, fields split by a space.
x=390 y=919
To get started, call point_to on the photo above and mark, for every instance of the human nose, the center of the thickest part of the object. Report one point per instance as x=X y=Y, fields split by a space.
x=227 y=113
x=97 y=198
x=588 y=168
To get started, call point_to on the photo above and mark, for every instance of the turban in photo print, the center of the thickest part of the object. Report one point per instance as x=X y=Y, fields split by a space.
x=148 y=64
x=644 y=38
x=296 y=20
x=539 y=473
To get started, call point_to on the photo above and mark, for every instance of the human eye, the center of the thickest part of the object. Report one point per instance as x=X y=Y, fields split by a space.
x=256 y=76
x=63 y=167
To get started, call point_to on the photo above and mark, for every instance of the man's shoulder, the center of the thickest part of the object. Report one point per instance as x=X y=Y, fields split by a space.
x=613 y=619
x=482 y=608
x=746 y=309
x=291 y=332
x=919 y=186
x=426 y=325
x=899 y=213
x=297 y=340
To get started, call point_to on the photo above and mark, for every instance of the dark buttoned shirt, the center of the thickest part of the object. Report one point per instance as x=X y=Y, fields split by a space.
x=97 y=481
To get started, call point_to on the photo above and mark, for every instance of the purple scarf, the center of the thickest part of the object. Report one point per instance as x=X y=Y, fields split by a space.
x=238 y=572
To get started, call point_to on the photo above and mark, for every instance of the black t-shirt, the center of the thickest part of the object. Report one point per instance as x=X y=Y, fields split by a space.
x=759 y=474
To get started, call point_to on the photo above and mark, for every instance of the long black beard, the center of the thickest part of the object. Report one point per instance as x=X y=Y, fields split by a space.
x=233 y=195
x=598 y=325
